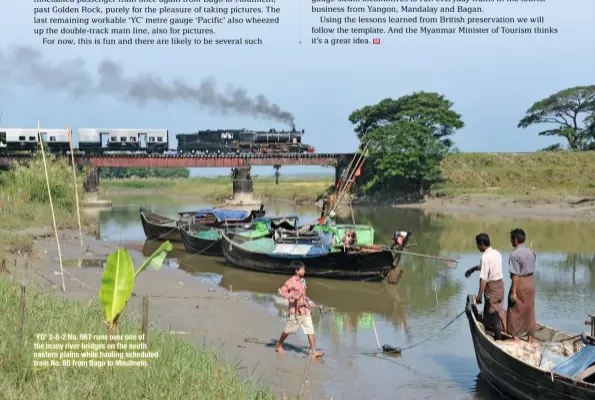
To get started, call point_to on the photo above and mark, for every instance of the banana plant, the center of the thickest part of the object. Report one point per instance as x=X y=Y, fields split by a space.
x=118 y=281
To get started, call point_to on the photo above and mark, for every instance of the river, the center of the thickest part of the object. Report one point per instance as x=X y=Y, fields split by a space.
x=430 y=294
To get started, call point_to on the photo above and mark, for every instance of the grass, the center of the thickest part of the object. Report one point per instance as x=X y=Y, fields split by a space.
x=531 y=175
x=220 y=188
x=24 y=201
x=181 y=371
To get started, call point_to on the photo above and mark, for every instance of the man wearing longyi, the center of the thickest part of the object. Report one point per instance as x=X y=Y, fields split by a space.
x=520 y=317
x=491 y=285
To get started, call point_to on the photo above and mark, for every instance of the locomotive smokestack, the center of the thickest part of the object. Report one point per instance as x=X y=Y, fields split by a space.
x=27 y=66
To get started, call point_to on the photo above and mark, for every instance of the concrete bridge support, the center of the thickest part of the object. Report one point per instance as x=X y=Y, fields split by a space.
x=91 y=183
x=243 y=188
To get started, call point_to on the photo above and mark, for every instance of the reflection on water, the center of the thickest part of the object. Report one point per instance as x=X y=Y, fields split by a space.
x=428 y=297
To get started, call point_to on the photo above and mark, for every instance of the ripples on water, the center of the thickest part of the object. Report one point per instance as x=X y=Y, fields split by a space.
x=428 y=297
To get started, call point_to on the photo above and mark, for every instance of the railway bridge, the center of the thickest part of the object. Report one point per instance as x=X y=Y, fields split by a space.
x=94 y=162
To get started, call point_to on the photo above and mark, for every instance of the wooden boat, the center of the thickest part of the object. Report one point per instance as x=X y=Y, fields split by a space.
x=324 y=260
x=519 y=370
x=217 y=217
x=202 y=239
x=198 y=240
x=157 y=227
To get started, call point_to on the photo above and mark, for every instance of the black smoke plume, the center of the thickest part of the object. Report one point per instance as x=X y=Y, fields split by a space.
x=27 y=66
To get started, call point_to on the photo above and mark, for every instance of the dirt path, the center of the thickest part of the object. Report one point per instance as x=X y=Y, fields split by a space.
x=220 y=322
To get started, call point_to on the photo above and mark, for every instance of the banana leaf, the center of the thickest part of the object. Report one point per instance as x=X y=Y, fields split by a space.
x=156 y=259
x=116 y=284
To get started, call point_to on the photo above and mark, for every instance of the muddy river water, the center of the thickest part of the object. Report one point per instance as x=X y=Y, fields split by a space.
x=428 y=297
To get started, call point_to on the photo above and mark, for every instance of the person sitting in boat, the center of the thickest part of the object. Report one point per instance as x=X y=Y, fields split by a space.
x=491 y=285
x=349 y=239
x=399 y=239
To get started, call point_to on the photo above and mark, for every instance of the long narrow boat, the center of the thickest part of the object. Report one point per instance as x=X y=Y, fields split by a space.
x=158 y=227
x=219 y=217
x=202 y=239
x=560 y=366
x=324 y=260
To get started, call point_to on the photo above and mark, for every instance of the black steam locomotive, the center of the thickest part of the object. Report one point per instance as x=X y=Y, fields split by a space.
x=242 y=141
x=155 y=141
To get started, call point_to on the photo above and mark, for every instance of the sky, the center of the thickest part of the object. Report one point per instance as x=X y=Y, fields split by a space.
x=492 y=80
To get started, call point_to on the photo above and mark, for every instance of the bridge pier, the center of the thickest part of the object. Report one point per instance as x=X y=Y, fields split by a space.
x=242 y=187
x=91 y=183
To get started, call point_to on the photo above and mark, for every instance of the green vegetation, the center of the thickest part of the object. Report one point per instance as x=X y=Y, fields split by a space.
x=123 y=173
x=572 y=111
x=409 y=150
x=221 y=188
x=24 y=200
x=182 y=371
x=118 y=279
x=406 y=138
x=540 y=175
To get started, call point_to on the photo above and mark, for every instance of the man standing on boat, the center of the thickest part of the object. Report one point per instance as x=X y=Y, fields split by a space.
x=300 y=307
x=491 y=285
x=520 y=317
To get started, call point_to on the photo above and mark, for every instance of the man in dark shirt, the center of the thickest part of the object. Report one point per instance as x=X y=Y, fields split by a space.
x=520 y=316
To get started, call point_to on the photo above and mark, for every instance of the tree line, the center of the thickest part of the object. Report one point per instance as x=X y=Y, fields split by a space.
x=407 y=137
x=123 y=173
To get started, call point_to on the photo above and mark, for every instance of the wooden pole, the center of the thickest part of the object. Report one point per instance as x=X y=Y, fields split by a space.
x=376 y=333
x=76 y=191
x=145 y=326
x=47 y=181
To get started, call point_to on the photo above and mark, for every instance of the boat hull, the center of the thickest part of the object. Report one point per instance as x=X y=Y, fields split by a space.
x=340 y=265
x=515 y=378
x=195 y=245
x=153 y=226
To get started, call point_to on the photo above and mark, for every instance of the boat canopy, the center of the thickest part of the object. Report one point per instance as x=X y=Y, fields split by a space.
x=223 y=214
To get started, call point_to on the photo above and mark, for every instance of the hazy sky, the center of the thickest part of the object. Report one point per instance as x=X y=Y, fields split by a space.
x=492 y=80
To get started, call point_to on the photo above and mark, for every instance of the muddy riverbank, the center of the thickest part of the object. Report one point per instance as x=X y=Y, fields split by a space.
x=183 y=305
x=572 y=208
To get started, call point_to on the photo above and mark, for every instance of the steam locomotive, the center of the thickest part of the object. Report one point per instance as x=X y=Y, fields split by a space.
x=155 y=141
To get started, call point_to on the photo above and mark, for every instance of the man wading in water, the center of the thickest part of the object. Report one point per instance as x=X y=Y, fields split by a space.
x=300 y=305
x=490 y=285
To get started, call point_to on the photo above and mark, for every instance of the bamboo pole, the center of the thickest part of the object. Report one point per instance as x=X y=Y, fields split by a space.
x=354 y=163
x=426 y=256
x=342 y=193
x=76 y=191
x=47 y=181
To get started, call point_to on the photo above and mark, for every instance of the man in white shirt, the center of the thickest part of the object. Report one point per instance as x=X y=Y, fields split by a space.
x=491 y=286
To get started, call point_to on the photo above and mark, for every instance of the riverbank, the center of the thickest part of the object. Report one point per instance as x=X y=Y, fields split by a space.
x=179 y=304
x=183 y=370
x=218 y=189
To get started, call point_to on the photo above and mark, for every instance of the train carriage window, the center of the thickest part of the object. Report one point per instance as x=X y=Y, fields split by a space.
x=22 y=138
x=151 y=139
x=160 y=139
x=123 y=139
x=132 y=139
x=52 y=138
x=31 y=137
x=114 y=139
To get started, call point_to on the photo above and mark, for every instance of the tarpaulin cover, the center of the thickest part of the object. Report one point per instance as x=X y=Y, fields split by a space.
x=577 y=363
x=223 y=214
